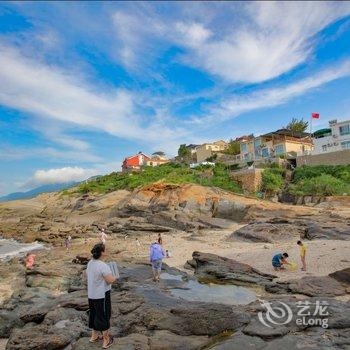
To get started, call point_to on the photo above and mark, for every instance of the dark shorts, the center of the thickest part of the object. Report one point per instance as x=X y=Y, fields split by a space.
x=100 y=313
x=276 y=263
x=157 y=264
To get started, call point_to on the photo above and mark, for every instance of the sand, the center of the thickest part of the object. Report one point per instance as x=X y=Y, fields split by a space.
x=323 y=256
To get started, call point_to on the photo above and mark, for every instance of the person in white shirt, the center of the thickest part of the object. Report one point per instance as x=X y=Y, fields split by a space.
x=103 y=236
x=99 y=280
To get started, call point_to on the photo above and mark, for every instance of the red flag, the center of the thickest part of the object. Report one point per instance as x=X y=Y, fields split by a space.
x=315 y=115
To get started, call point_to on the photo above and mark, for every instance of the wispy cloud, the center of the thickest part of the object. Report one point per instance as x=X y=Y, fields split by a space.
x=256 y=42
x=233 y=105
x=49 y=154
x=49 y=92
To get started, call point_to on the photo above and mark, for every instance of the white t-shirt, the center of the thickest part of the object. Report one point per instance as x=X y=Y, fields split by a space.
x=97 y=286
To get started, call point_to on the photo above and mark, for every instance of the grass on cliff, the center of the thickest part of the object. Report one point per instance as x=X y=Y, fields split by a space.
x=168 y=173
x=322 y=180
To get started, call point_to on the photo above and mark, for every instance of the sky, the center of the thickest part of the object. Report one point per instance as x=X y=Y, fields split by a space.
x=85 y=84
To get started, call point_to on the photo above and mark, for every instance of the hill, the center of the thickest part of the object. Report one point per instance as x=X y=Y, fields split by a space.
x=38 y=190
x=217 y=176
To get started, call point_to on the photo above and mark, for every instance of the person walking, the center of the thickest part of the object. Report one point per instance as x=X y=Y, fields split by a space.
x=99 y=280
x=302 y=254
x=103 y=236
x=156 y=256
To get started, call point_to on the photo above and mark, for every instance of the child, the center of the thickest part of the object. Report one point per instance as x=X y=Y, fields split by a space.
x=302 y=254
x=30 y=260
x=278 y=260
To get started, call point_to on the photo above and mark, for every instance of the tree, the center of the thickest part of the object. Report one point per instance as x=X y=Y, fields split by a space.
x=233 y=148
x=297 y=126
x=183 y=151
x=159 y=153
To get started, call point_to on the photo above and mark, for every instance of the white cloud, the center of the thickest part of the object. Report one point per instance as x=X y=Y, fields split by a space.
x=48 y=153
x=256 y=41
x=234 y=105
x=60 y=175
x=48 y=92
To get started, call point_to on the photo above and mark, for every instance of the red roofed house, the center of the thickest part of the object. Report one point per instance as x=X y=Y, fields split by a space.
x=135 y=162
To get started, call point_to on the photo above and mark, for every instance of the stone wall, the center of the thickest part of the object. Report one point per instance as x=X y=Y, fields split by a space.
x=331 y=158
x=249 y=179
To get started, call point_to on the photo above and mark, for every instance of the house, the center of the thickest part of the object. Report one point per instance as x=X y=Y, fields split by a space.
x=274 y=144
x=207 y=150
x=135 y=162
x=157 y=159
x=332 y=139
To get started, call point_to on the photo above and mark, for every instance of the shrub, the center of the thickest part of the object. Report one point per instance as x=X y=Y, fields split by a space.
x=170 y=173
x=272 y=180
x=341 y=172
x=322 y=185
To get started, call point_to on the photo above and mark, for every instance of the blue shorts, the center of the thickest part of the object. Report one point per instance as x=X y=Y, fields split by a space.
x=157 y=264
x=276 y=263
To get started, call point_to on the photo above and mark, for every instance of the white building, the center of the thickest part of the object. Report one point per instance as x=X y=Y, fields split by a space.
x=335 y=138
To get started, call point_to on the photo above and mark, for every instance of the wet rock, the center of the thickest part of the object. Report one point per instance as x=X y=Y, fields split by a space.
x=317 y=286
x=204 y=319
x=165 y=340
x=130 y=342
x=240 y=341
x=217 y=268
x=256 y=328
x=8 y=321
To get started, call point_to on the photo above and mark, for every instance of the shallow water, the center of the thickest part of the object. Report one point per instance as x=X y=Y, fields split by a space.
x=213 y=293
x=10 y=248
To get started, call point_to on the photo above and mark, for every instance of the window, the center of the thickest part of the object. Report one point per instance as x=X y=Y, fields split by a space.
x=345 y=145
x=265 y=152
x=257 y=143
x=344 y=130
x=244 y=148
x=279 y=149
x=324 y=148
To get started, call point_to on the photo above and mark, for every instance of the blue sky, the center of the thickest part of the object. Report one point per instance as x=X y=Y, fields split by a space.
x=82 y=85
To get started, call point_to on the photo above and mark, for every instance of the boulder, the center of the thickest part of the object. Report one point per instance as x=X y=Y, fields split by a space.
x=342 y=276
x=216 y=268
x=337 y=230
x=268 y=232
x=229 y=209
x=37 y=338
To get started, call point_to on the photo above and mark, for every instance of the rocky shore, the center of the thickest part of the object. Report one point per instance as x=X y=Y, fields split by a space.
x=46 y=308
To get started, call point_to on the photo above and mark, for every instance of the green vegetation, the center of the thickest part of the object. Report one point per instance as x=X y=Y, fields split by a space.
x=297 y=126
x=183 y=151
x=341 y=172
x=168 y=173
x=322 y=180
x=233 y=148
x=272 y=179
x=322 y=185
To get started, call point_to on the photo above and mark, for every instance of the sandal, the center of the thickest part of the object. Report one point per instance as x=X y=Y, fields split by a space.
x=95 y=340
x=110 y=343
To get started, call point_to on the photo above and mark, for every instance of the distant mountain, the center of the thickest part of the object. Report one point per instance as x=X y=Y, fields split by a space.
x=34 y=192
